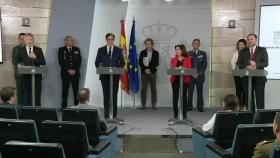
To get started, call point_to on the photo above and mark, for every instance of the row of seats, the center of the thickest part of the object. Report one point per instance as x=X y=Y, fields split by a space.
x=82 y=117
x=235 y=134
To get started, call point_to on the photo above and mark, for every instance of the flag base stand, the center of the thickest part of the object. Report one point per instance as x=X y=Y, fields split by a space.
x=181 y=122
x=118 y=121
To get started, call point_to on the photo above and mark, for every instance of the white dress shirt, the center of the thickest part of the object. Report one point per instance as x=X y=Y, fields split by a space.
x=27 y=49
x=108 y=48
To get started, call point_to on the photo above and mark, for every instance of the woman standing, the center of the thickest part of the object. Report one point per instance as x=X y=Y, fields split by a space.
x=180 y=60
x=241 y=44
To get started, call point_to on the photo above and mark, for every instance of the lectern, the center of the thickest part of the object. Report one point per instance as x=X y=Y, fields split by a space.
x=32 y=70
x=111 y=71
x=181 y=73
x=249 y=74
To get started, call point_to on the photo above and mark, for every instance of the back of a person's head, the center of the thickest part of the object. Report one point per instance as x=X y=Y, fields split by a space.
x=83 y=95
x=7 y=93
x=231 y=102
x=277 y=119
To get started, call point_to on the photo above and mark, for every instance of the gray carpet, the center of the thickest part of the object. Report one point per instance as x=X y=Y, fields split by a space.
x=154 y=155
x=155 y=122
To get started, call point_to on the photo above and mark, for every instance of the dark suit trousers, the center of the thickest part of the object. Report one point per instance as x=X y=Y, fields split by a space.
x=106 y=96
x=258 y=89
x=20 y=90
x=66 y=81
x=145 y=80
x=28 y=91
x=176 y=93
x=199 y=89
x=239 y=90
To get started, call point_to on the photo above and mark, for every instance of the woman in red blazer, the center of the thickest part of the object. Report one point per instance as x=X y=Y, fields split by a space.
x=180 y=60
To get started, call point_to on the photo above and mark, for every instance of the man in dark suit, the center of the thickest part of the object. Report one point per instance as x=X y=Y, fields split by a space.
x=252 y=58
x=69 y=58
x=149 y=61
x=31 y=55
x=199 y=62
x=109 y=56
x=18 y=77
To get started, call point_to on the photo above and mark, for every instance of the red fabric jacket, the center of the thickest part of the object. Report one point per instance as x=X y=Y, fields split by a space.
x=186 y=64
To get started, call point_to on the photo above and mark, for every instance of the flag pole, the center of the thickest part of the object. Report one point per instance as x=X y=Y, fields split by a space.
x=134 y=100
x=121 y=84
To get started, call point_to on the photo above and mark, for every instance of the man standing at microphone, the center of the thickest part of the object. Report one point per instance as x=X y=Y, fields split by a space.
x=31 y=55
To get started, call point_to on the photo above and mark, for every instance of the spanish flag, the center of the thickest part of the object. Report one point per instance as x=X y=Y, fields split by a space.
x=124 y=77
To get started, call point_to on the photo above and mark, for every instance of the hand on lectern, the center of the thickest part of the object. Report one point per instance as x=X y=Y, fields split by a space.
x=32 y=55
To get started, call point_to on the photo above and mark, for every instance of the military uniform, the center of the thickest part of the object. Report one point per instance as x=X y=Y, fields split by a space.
x=18 y=77
x=69 y=58
x=264 y=148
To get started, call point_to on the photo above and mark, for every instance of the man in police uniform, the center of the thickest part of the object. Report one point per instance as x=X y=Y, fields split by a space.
x=199 y=62
x=263 y=149
x=69 y=58
x=18 y=77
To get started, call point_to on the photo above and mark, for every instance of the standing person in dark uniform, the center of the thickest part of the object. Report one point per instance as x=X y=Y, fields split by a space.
x=69 y=58
x=252 y=58
x=31 y=55
x=199 y=62
x=109 y=56
x=180 y=60
x=149 y=61
x=18 y=77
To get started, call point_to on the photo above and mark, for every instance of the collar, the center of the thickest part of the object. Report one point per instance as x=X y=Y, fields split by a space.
x=254 y=48
x=112 y=48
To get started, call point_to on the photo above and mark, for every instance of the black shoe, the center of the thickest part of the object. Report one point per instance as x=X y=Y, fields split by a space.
x=200 y=110
x=173 y=119
x=154 y=108
x=189 y=109
x=143 y=108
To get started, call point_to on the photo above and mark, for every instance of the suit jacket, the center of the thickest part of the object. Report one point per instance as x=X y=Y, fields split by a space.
x=199 y=62
x=22 y=58
x=15 y=51
x=69 y=60
x=153 y=64
x=263 y=149
x=117 y=60
x=186 y=64
x=260 y=57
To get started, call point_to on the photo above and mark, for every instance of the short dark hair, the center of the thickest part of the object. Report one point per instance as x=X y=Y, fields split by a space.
x=149 y=40
x=196 y=39
x=29 y=34
x=6 y=93
x=83 y=95
x=241 y=41
x=182 y=48
x=231 y=102
x=277 y=118
x=110 y=34
x=252 y=34
x=21 y=34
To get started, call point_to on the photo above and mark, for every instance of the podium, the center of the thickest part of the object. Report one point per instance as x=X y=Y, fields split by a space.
x=32 y=70
x=111 y=71
x=249 y=74
x=181 y=73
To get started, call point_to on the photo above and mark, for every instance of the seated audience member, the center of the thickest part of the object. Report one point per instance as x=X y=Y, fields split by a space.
x=83 y=98
x=263 y=149
x=9 y=97
x=230 y=103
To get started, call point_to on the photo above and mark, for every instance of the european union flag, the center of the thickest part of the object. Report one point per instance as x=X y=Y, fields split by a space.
x=133 y=65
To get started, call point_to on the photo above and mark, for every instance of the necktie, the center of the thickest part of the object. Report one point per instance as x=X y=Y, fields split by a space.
x=29 y=51
x=110 y=52
x=70 y=49
x=251 y=54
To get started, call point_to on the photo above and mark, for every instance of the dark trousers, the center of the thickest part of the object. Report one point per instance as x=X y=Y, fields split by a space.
x=106 y=96
x=28 y=91
x=257 y=98
x=176 y=93
x=199 y=90
x=20 y=90
x=239 y=90
x=66 y=81
x=145 y=80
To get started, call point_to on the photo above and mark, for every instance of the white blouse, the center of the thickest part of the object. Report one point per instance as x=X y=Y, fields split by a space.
x=233 y=60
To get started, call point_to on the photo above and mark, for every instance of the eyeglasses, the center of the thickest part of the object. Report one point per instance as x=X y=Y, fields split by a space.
x=110 y=39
